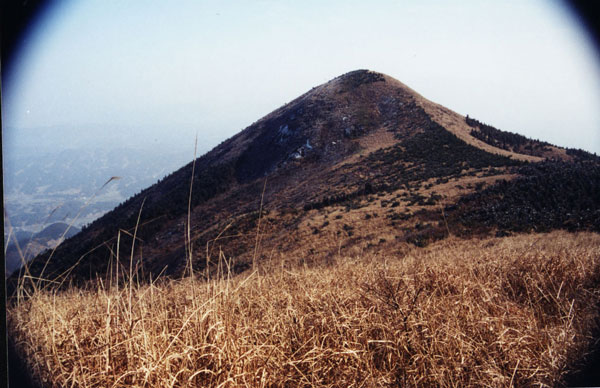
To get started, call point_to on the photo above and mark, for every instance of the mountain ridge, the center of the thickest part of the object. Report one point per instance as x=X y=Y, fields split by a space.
x=325 y=165
x=24 y=246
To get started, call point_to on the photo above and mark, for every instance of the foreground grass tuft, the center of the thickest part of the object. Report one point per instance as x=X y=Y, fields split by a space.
x=515 y=311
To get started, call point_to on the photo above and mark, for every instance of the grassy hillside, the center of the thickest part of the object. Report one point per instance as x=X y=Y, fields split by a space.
x=497 y=312
x=323 y=246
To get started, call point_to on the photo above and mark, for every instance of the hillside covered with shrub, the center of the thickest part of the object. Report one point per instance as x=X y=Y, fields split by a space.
x=358 y=234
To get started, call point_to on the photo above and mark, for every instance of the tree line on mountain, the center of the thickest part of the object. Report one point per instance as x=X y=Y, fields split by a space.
x=433 y=153
x=547 y=195
x=509 y=141
x=518 y=143
x=436 y=152
x=581 y=155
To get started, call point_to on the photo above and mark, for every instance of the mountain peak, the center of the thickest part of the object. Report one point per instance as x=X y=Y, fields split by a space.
x=327 y=123
x=356 y=78
x=360 y=133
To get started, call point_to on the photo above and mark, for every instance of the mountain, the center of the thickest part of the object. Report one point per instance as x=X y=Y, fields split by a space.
x=45 y=187
x=359 y=163
x=42 y=187
x=24 y=246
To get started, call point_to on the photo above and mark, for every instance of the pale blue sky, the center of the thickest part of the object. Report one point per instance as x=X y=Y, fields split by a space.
x=177 y=67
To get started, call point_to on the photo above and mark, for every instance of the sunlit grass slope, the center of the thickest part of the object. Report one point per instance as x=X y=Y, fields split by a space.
x=498 y=312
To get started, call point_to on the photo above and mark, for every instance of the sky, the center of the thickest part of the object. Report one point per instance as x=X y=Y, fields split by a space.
x=129 y=71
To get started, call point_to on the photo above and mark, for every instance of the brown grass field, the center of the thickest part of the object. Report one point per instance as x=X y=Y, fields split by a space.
x=494 y=312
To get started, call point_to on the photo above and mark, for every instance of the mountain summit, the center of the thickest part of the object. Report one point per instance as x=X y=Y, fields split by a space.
x=360 y=162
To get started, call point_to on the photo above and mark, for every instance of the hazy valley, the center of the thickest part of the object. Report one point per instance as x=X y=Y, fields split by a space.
x=46 y=183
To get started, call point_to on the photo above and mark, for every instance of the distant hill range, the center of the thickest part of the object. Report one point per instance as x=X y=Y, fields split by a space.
x=42 y=187
x=24 y=246
x=359 y=163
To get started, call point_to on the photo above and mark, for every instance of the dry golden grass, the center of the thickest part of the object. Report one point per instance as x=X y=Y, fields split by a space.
x=516 y=311
x=456 y=124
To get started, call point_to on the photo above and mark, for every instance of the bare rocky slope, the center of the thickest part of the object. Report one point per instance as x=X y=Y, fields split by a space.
x=359 y=163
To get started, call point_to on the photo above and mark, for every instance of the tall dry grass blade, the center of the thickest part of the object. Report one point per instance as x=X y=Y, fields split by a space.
x=85 y=205
x=441 y=206
x=262 y=196
x=131 y=256
x=220 y=236
x=188 y=242
x=24 y=269
x=117 y=258
x=10 y=233
x=24 y=254
x=65 y=274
